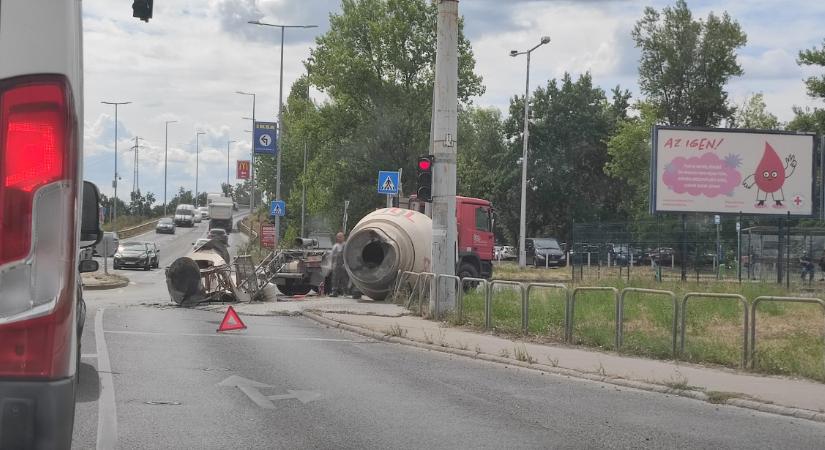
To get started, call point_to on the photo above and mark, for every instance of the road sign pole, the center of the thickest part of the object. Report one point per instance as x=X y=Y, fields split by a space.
x=389 y=200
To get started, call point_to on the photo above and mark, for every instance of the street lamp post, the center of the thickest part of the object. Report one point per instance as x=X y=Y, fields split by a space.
x=227 y=162
x=280 y=114
x=114 y=183
x=522 y=254
x=252 y=157
x=166 y=162
x=197 y=157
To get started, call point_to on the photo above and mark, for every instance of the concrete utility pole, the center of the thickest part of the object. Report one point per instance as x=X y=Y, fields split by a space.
x=166 y=163
x=443 y=145
x=197 y=158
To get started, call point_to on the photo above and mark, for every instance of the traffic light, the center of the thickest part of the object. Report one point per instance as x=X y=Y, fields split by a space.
x=142 y=9
x=424 y=192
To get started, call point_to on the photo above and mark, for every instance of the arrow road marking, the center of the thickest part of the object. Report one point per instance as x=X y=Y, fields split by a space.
x=302 y=396
x=252 y=390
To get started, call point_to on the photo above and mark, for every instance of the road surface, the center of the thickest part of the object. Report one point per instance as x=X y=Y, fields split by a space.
x=157 y=376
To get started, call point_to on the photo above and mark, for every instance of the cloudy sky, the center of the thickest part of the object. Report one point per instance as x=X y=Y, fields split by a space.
x=189 y=60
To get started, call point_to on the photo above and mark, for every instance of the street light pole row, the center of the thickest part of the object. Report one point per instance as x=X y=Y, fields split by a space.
x=114 y=182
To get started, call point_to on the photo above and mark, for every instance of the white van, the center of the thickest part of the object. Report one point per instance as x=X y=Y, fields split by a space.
x=185 y=216
x=41 y=168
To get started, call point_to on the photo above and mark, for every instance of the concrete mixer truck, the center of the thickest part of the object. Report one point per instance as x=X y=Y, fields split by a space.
x=390 y=240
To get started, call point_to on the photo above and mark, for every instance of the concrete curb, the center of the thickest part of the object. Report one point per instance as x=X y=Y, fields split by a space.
x=753 y=404
x=105 y=286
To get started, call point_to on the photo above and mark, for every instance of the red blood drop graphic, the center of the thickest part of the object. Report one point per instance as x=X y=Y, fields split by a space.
x=770 y=173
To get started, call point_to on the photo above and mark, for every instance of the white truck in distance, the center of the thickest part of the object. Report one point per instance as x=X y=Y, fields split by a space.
x=220 y=213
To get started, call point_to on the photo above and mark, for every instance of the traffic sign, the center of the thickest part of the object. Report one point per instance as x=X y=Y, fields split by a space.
x=277 y=208
x=231 y=321
x=388 y=182
x=268 y=235
x=243 y=169
x=266 y=138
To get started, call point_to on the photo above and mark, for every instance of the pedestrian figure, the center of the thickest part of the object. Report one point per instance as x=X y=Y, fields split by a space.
x=822 y=266
x=807 y=267
x=339 y=273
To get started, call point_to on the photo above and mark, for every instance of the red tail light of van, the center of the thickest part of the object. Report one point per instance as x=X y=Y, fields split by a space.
x=38 y=199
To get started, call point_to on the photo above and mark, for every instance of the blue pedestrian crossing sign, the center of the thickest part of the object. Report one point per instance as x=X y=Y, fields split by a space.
x=265 y=137
x=387 y=182
x=277 y=208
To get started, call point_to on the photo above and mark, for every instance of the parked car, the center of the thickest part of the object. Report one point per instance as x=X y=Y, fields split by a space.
x=110 y=241
x=136 y=255
x=219 y=234
x=197 y=216
x=662 y=256
x=185 y=216
x=505 y=253
x=204 y=210
x=542 y=252
x=165 y=225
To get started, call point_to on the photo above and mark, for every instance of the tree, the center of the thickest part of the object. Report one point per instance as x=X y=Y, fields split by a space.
x=808 y=120
x=754 y=114
x=686 y=63
x=571 y=123
x=227 y=190
x=814 y=57
x=629 y=153
x=376 y=64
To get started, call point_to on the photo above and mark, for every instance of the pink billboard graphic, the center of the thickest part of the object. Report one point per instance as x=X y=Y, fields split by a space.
x=703 y=175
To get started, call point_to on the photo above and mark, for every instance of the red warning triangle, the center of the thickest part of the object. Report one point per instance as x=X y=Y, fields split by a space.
x=231 y=321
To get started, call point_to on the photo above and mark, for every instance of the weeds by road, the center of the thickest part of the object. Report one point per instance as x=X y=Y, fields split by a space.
x=791 y=340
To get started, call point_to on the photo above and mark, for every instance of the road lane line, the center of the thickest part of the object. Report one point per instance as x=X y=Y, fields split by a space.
x=106 y=407
x=222 y=336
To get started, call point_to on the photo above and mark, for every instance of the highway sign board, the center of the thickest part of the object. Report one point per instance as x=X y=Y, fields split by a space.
x=277 y=208
x=266 y=138
x=388 y=182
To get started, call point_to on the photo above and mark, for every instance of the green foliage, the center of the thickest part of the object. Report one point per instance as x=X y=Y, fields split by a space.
x=376 y=64
x=570 y=125
x=686 y=63
x=814 y=57
x=754 y=114
x=629 y=159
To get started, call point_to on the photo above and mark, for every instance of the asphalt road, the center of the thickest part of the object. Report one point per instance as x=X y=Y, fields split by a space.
x=156 y=376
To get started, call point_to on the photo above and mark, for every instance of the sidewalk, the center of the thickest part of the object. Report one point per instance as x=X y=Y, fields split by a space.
x=780 y=395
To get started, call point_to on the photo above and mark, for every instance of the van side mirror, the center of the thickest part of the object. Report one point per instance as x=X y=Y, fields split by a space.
x=90 y=231
x=88 y=266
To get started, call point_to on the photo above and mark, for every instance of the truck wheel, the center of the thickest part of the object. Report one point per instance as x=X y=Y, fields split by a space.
x=295 y=289
x=467 y=270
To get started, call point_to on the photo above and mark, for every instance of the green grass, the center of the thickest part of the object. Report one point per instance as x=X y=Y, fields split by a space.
x=790 y=337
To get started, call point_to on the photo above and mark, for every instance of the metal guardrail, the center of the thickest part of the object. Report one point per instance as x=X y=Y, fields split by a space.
x=765 y=298
x=460 y=300
x=242 y=227
x=620 y=317
x=426 y=278
x=525 y=311
x=122 y=233
x=488 y=320
x=570 y=323
x=456 y=283
x=738 y=297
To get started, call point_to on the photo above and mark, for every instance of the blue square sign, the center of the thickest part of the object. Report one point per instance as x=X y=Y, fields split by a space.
x=266 y=138
x=388 y=182
x=277 y=208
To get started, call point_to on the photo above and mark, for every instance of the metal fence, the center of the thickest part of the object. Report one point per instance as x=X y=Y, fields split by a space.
x=668 y=248
x=413 y=286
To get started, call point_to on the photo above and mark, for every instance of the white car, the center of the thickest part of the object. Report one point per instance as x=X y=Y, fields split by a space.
x=204 y=212
x=42 y=312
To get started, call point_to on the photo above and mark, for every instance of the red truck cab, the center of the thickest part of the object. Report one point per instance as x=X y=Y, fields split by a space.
x=475 y=238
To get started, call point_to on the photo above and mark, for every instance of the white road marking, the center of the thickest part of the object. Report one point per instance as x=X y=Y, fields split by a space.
x=106 y=407
x=89 y=355
x=226 y=335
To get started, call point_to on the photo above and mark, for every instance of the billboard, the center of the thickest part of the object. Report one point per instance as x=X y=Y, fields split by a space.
x=243 y=169
x=268 y=239
x=728 y=171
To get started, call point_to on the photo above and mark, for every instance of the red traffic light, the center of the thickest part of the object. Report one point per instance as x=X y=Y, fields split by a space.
x=425 y=164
